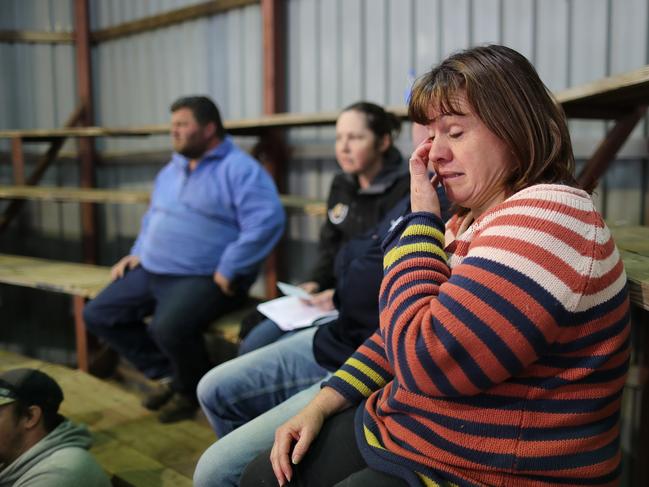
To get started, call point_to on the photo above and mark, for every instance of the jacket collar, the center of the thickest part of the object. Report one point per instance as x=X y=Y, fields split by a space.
x=219 y=152
x=393 y=170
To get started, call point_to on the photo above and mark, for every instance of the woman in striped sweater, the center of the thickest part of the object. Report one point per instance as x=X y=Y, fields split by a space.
x=503 y=342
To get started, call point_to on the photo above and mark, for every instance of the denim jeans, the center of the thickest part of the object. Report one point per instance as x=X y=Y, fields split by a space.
x=173 y=343
x=265 y=333
x=247 y=398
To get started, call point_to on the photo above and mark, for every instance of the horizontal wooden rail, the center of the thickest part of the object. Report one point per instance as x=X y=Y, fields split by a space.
x=133 y=27
x=633 y=243
x=38 y=37
x=81 y=280
x=124 y=196
x=248 y=126
x=607 y=98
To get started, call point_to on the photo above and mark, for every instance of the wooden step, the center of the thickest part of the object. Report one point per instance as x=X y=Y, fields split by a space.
x=130 y=444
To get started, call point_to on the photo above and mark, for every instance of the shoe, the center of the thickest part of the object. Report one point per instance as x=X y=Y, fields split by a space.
x=157 y=398
x=179 y=407
x=103 y=362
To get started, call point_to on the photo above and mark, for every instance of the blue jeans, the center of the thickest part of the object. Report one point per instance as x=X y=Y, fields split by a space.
x=247 y=398
x=173 y=344
x=265 y=333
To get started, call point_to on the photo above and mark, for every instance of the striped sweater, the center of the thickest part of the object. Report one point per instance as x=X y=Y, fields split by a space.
x=500 y=357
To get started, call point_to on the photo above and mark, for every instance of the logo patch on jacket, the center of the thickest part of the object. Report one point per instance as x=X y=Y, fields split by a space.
x=338 y=213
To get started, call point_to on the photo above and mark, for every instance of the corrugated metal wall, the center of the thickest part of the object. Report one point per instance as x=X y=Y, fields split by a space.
x=337 y=51
x=341 y=51
x=137 y=77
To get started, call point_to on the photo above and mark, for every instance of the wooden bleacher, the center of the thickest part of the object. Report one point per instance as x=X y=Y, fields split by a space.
x=84 y=281
x=130 y=444
x=633 y=243
x=123 y=196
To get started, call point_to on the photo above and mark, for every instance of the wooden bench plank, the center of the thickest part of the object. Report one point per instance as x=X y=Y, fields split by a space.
x=607 y=97
x=64 y=277
x=83 y=281
x=125 y=196
x=603 y=98
x=633 y=243
x=130 y=443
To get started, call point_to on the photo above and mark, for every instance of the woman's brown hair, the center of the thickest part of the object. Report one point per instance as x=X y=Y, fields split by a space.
x=506 y=93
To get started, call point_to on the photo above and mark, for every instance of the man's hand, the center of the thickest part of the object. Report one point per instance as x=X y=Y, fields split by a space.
x=224 y=284
x=125 y=264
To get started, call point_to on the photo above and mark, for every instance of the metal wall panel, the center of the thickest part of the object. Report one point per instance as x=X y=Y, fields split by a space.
x=37 y=81
x=137 y=77
x=108 y=13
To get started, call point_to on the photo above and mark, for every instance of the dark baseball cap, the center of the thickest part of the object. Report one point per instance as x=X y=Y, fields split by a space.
x=31 y=387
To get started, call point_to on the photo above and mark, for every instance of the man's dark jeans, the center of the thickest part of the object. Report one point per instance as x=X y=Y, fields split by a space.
x=172 y=344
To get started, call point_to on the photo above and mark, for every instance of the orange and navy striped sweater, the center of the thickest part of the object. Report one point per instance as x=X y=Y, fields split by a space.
x=501 y=357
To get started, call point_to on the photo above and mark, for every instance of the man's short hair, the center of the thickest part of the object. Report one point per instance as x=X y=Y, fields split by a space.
x=31 y=387
x=203 y=109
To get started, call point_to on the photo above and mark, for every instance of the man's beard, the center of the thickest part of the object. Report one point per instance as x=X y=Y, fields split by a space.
x=193 y=152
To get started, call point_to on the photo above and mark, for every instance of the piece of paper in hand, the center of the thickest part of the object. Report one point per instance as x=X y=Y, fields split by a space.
x=290 y=313
x=291 y=290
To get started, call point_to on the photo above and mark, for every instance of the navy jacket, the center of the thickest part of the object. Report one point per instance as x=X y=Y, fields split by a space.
x=359 y=271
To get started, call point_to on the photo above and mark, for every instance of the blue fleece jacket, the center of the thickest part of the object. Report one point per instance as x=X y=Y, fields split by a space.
x=224 y=215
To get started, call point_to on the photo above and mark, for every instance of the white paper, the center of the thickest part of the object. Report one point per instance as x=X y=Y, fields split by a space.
x=290 y=313
x=291 y=290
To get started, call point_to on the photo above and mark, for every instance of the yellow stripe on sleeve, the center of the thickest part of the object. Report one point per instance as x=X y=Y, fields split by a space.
x=354 y=382
x=371 y=438
x=357 y=364
x=401 y=251
x=426 y=231
x=428 y=482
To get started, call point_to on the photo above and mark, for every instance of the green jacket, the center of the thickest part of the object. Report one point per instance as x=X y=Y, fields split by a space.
x=61 y=459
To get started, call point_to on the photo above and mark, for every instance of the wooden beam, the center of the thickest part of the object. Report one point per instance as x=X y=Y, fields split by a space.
x=18 y=160
x=605 y=153
x=168 y=18
x=50 y=156
x=272 y=149
x=246 y=126
x=134 y=27
x=131 y=196
x=86 y=144
x=272 y=14
x=30 y=36
x=80 y=333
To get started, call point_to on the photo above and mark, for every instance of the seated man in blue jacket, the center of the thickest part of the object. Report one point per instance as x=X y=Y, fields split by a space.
x=215 y=214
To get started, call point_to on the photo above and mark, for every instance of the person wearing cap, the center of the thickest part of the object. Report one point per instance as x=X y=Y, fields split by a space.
x=38 y=446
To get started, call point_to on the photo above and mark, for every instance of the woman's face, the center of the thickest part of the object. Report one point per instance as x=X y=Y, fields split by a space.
x=357 y=149
x=471 y=162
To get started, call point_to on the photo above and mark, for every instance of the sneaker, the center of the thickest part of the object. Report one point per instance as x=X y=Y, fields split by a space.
x=158 y=397
x=177 y=408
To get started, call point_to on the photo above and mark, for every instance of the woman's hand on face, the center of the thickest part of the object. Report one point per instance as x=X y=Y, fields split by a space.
x=423 y=193
x=300 y=430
